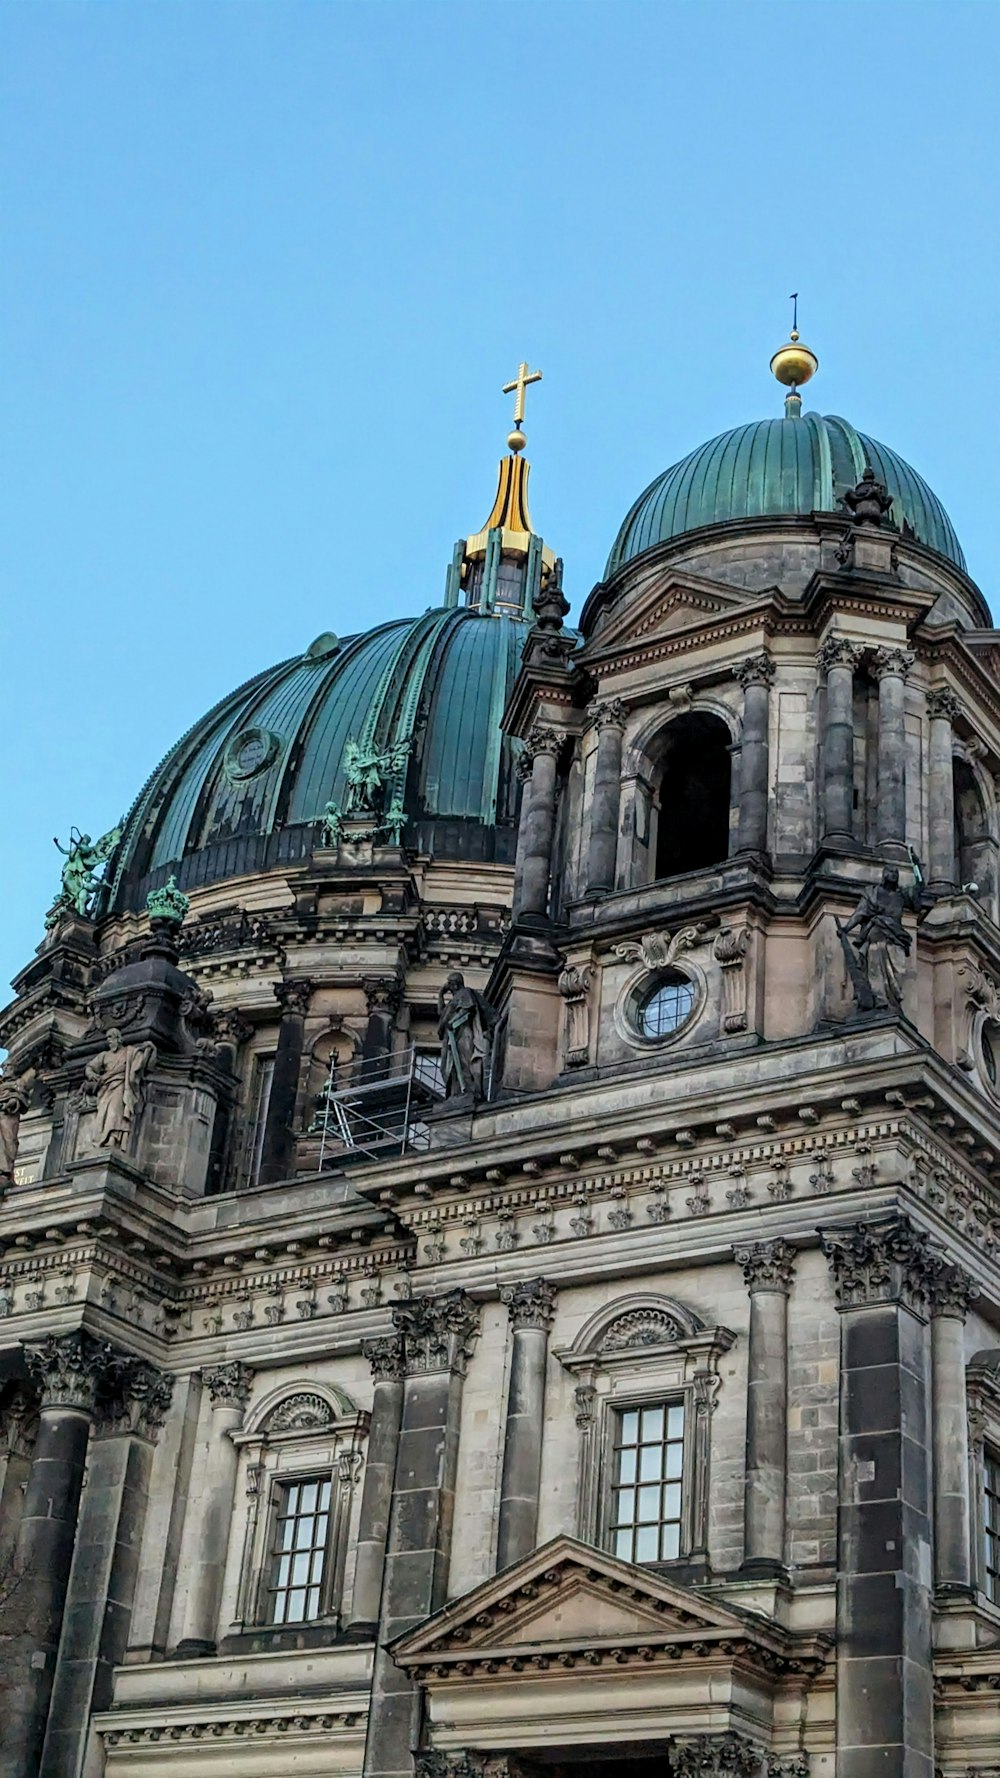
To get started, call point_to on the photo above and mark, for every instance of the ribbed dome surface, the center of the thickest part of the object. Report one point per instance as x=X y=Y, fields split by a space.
x=775 y=467
x=439 y=681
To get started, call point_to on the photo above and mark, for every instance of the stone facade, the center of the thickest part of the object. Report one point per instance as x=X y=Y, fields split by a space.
x=646 y=1406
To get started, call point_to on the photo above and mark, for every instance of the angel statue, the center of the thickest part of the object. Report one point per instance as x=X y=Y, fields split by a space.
x=367 y=773
x=80 y=874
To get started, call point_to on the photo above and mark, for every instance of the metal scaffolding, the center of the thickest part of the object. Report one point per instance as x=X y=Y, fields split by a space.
x=371 y=1108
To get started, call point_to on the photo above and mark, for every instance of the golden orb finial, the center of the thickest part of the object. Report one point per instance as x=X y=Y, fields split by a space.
x=516 y=440
x=793 y=363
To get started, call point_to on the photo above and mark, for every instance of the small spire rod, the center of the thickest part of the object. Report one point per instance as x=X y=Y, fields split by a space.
x=794 y=299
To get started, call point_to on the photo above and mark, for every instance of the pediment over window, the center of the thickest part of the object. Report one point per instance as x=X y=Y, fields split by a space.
x=569 y=1602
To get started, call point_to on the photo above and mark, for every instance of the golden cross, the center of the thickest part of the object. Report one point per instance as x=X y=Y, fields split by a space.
x=520 y=383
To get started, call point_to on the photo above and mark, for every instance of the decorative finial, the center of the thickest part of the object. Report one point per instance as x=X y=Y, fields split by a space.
x=516 y=440
x=168 y=903
x=793 y=364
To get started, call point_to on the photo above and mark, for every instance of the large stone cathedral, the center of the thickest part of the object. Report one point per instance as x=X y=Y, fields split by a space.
x=500 y=1158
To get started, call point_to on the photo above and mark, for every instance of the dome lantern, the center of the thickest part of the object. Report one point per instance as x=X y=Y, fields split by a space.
x=500 y=568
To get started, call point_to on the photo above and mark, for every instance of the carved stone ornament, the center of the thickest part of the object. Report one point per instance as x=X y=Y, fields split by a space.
x=788 y=1765
x=229 y=1385
x=18 y=1425
x=574 y=985
x=716 y=1756
x=530 y=1304
x=301 y=1413
x=383 y=993
x=294 y=996
x=869 y=502
x=542 y=739
x=837 y=651
x=385 y=1355
x=439 y=1332
x=461 y=1764
x=729 y=951
x=67 y=1369
x=757 y=669
x=893 y=662
x=953 y=1292
x=943 y=704
x=133 y=1397
x=885 y=1260
x=657 y=950
x=231 y=1026
x=766 y=1265
x=610 y=714
x=641 y=1327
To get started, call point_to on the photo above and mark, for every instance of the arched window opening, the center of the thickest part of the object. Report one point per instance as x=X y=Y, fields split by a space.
x=694 y=795
x=975 y=849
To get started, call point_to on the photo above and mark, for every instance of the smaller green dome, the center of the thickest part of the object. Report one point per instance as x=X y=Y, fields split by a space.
x=773 y=468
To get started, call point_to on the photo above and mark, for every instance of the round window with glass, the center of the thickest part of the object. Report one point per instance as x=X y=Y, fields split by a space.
x=665 y=1006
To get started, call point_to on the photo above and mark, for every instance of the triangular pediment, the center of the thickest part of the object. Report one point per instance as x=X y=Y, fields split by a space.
x=567 y=1594
x=686 y=602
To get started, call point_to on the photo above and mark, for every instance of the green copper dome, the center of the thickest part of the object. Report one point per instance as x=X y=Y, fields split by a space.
x=774 y=468
x=245 y=790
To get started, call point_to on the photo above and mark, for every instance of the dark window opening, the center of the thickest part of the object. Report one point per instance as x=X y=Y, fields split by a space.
x=694 y=795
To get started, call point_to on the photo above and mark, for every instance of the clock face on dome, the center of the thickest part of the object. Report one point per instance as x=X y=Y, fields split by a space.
x=250 y=752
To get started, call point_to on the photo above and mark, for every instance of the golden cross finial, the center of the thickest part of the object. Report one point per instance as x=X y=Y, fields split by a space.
x=520 y=383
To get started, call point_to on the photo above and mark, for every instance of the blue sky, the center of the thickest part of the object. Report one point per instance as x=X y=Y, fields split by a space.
x=265 y=264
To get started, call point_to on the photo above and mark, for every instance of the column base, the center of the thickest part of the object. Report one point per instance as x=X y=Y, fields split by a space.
x=192 y=1648
x=763 y=1568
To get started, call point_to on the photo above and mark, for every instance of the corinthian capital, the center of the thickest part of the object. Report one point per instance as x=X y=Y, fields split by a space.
x=767 y=1265
x=439 y=1332
x=542 y=739
x=944 y=703
x=531 y=1304
x=885 y=1260
x=837 y=651
x=385 y=1355
x=893 y=663
x=294 y=996
x=134 y=1399
x=68 y=1369
x=952 y=1292
x=229 y=1385
x=757 y=669
x=610 y=714
x=716 y=1756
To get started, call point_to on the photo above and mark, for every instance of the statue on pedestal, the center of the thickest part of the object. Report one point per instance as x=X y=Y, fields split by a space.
x=116 y=1079
x=465 y=1026
x=80 y=874
x=876 y=959
x=15 y=1093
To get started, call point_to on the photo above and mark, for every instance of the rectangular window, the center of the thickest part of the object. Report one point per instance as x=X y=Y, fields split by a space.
x=299 y=1551
x=991 y=1519
x=260 y=1098
x=647 y=1485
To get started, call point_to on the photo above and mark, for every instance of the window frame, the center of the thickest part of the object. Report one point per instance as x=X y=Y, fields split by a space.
x=616 y=1371
x=261 y=1063
x=990 y=1576
x=612 y=1486
x=983 y=1405
x=281 y=1487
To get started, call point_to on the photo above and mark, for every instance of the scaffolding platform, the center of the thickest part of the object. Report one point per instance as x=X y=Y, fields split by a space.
x=372 y=1108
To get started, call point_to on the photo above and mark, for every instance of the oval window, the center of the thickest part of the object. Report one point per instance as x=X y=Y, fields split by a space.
x=666 y=1006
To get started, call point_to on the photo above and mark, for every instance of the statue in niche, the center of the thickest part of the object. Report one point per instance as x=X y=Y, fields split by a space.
x=116 y=1079
x=465 y=1026
x=876 y=959
x=80 y=873
x=15 y=1094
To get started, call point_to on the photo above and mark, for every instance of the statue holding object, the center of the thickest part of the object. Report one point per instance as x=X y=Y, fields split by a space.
x=81 y=873
x=116 y=1078
x=876 y=959
x=465 y=1026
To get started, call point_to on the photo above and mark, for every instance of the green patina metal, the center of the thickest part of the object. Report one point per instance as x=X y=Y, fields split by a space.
x=777 y=467
x=167 y=903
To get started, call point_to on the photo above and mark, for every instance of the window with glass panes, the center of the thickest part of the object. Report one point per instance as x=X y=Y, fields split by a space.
x=646 y=1489
x=299 y=1551
x=991 y=1517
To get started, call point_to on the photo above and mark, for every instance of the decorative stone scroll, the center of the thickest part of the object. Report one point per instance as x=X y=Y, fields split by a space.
x=767 y=1265
x=385 y=1355
x=574 y=985
x=229 y=1385
x=658 y=950
x=301 y=1413
x=531 y=1303
x=730 y=951
x=641 y=1327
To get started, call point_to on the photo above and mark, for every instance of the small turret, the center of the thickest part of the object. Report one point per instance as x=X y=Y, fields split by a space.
x=501 y=567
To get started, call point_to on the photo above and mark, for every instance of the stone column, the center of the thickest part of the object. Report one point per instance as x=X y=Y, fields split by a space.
x=942 y=709
x=67 y=1370
x=891 y=668
x=278 y=1149
x=531 y=1307
x=605 y=803
x=105 y=1565
x=953 y=1292
x=755 y=675
x=838 y=659
x=767 y=1268
x=537 y=827
x=438 y=1334
x=883 y=1273
x=210 y=1510
x=386 y=1359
